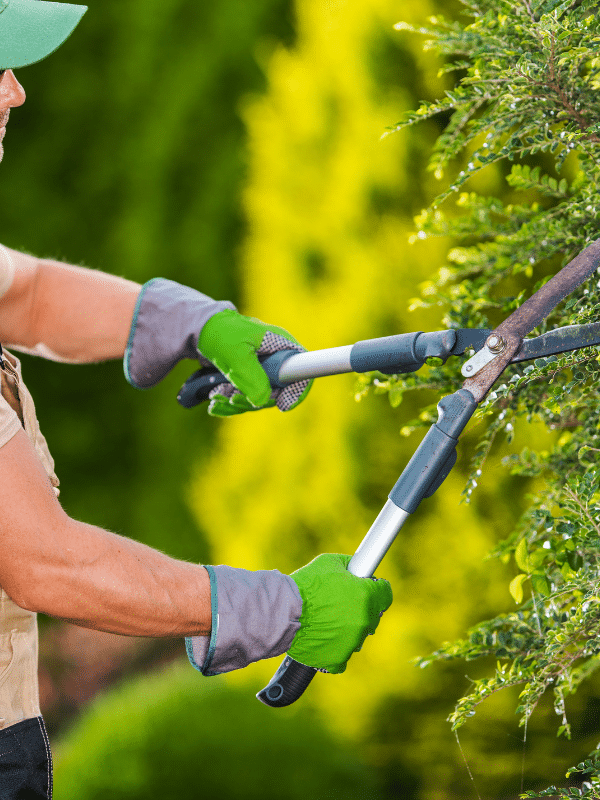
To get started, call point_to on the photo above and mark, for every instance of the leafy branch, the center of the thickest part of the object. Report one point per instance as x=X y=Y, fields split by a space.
x=526 y=100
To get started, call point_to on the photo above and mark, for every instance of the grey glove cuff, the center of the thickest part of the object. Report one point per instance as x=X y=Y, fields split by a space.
x=255 y=615
x=166 y=325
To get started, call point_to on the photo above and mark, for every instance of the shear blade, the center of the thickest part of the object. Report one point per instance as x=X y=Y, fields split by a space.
x=561 y=340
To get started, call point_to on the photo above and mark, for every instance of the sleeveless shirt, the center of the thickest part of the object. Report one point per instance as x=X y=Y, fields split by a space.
x=19 y=694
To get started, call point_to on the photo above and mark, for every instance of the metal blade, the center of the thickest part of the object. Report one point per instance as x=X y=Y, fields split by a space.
x=561 y=340
x=512 y=331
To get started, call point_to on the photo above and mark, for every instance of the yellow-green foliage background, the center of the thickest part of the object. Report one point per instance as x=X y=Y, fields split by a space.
x=330 y=205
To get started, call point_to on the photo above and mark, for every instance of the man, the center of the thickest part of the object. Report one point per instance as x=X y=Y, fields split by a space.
x=67 y=569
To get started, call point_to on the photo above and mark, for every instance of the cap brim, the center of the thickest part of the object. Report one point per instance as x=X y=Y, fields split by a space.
x=32 y=29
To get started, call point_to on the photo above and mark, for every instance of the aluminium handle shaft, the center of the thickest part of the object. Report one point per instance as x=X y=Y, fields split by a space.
x=403 y=353
x=422 y=476
x=292 y=677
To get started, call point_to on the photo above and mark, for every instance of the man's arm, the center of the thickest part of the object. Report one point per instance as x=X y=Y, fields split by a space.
x=55 y=565
x=76 y=314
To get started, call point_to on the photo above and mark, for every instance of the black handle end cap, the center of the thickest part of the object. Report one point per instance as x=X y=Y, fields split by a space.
x=288 y=684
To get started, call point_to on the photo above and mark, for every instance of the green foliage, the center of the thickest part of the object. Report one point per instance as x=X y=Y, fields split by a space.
x=170 y=736
x=527 y=92
x=531 y=83
x=589 y=769
x=590 y=785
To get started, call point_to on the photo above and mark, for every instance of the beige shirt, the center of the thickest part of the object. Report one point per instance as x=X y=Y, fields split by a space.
x=19 y=695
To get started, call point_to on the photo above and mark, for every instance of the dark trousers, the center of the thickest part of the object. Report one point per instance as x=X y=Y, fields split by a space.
x=25 y=761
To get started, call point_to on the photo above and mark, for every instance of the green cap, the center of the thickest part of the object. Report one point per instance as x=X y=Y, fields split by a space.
x=32 y=29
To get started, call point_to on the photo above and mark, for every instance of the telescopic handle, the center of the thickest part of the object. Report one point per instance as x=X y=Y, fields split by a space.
x=403 y=353
x=422 y=476
x=292 y=678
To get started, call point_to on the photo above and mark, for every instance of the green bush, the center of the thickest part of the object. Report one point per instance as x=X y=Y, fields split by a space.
x=176 y=735
x=526 y=92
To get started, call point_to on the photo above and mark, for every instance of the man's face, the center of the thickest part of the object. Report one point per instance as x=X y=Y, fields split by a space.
x=11 y=96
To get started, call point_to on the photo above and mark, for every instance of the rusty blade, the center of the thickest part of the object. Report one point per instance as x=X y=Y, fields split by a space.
x=531 y=313
x=538 y=307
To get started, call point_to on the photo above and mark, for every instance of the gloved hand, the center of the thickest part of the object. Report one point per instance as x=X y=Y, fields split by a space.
x=232 y=343
x=172 y=322
x=339 y=611
x=319 y=615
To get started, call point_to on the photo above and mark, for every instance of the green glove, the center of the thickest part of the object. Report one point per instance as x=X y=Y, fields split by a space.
x=339 y=611
x=232 y=343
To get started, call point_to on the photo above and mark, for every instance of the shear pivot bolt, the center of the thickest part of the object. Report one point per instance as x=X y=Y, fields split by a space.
x=495 y=344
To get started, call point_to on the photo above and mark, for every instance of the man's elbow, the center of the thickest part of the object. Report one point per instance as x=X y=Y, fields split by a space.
x=36 y=582
x=23 y=591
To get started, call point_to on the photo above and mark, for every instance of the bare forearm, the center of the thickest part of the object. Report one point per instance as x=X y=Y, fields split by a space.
x=64 y=568
x=66 y=312
x=100 y=580
x=81 y=314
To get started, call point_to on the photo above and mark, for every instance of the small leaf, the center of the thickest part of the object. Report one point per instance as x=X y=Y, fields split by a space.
x=566 y=571
x=540 y=584
x=521 y=555
x=516 y=587
x=582 y=454
x=395 y=396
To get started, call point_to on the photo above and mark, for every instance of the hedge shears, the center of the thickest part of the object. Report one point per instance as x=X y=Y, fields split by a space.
x=436 y=455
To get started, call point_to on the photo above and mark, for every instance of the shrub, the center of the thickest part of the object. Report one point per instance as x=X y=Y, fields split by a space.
x=528 y=75
x=177 y=734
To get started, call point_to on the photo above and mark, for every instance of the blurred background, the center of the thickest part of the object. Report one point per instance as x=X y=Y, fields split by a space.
x=236 y=147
